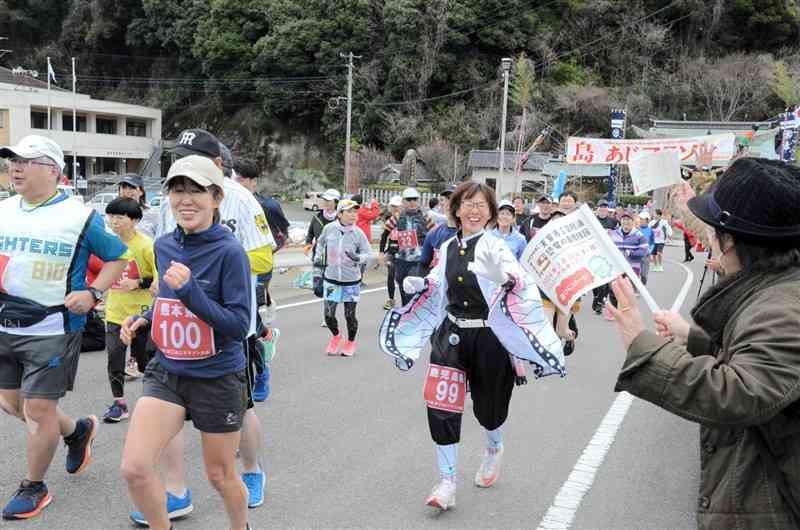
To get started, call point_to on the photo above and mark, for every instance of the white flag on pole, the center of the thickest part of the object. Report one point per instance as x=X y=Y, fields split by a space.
x=572 y=255
x=650 y=171
x=51 y=74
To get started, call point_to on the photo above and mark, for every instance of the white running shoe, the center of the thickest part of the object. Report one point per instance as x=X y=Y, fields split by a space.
x=132 y=370
x=443 y=495
x=490 y=468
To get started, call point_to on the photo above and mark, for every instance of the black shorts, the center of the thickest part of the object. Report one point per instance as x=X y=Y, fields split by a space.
x=214 y=405
x=659 y=249
x=40 y=367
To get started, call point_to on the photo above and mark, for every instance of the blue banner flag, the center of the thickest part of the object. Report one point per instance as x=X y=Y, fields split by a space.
x=559 y=184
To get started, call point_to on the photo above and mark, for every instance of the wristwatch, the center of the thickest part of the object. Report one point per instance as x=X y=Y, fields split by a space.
x=97 y=294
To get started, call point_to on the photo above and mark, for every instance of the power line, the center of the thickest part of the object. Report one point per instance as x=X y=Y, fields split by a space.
x=433 y=98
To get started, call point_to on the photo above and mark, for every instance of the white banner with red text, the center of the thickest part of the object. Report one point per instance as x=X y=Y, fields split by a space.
x=619 y=152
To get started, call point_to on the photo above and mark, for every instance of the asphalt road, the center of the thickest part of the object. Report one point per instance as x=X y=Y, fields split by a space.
x=347 y=443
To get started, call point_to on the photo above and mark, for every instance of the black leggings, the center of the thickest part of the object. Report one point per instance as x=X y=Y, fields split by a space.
x=390 y=278
x=349 y=317
x=116 y=350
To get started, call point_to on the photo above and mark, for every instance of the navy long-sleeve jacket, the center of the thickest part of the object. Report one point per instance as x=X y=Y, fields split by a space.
x=218 y=293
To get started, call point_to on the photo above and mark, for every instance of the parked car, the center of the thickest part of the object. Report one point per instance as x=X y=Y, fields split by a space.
x=155 y=202
x=311 y=200
x=101 y=200
x=70 y=191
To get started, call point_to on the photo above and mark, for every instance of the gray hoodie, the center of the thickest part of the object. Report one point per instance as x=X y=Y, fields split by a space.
x=340 y=250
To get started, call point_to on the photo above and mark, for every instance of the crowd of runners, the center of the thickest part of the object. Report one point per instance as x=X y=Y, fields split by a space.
x=185 y=293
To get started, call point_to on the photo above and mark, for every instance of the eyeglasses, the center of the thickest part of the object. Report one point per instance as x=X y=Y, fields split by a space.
x=27 y=162
x=472 y=205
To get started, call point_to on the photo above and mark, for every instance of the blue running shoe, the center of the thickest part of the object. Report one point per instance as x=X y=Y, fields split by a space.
x=176 y=507
x=261 y=386
x=255 y=483
x=117 y=412
x=79 y=444
x=29 y=501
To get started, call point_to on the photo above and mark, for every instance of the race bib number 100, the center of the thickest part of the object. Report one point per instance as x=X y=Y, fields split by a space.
x=179 y=334
x=445 y=388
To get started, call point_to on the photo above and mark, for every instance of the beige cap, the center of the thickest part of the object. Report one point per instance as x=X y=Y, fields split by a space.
x=199 y=169
x=347 y=204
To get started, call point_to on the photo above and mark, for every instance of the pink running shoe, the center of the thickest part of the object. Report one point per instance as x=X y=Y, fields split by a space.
x=349 y=348
x=333 y=345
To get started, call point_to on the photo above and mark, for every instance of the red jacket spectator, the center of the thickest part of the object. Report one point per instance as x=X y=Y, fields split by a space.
x=366 y=216
x=680 y=226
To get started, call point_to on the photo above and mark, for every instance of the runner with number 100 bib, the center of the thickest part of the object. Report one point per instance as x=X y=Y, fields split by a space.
x=199 y=320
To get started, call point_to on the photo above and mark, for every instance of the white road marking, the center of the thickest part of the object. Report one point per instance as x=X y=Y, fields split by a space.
x=561 y=513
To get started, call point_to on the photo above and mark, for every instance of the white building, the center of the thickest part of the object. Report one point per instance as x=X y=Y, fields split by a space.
x=485 y=168
x=111 y=137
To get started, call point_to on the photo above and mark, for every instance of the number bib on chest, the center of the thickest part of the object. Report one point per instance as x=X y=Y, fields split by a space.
x=179 y=334
x=407 y=239
x=445 y=388
x=131 y=272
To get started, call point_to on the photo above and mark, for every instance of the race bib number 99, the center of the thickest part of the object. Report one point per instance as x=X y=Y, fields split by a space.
x=179 y=334
x=445 y=388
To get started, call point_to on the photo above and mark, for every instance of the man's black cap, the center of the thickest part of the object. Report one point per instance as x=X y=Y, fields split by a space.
x=448 y=190
x=197 y=142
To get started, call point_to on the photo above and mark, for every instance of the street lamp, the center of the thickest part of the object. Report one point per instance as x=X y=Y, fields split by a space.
x=506 y=65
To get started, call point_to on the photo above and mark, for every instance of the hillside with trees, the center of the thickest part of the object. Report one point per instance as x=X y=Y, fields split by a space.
x=267 y=75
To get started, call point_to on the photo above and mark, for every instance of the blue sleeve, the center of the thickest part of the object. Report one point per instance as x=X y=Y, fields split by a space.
x=426 y=257
x=101 y=242
x=521 y=243
x=231 y=318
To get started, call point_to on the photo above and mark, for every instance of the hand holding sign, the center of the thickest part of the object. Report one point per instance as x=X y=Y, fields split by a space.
x=705 y=156
x=177 y=275
x=626 y=313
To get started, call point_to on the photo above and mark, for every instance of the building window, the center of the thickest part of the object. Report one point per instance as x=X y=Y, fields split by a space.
x=136 y=128
x=108 y=165
x=38 y=119
x=106 y=125
x=66 y=122
x=492 y=183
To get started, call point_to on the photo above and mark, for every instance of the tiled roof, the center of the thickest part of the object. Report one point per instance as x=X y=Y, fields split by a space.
x=7 y=76
x=491 y=159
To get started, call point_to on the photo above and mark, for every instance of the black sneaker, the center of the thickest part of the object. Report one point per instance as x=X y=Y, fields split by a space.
x=79 y=444
x=29 y=501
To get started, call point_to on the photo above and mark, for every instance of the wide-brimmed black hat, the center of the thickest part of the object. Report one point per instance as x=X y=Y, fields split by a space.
x=755 y=198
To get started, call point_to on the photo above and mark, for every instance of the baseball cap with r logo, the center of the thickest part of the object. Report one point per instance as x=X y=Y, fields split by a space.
x=197 y=142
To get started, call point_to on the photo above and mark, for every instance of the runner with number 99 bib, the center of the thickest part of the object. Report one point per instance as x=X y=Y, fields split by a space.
x=199 y=320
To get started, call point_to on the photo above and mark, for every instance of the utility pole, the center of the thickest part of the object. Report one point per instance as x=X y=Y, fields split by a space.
x=506 y=64
x=349 y=57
